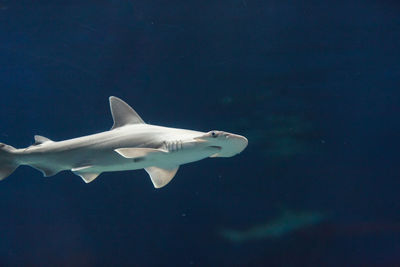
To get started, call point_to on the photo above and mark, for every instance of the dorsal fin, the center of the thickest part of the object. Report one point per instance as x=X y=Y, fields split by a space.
x=41 y=139
x=122 y=113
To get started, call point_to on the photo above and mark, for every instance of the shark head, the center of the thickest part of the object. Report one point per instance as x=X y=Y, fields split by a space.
x=228 y=144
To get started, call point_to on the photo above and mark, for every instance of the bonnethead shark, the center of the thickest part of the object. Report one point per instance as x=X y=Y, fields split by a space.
x=131 y=144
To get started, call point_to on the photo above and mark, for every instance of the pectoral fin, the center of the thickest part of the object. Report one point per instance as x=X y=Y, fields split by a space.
x=160 y=177
x=130 y=153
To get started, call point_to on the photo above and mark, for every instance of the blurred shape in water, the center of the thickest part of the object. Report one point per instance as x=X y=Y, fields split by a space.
x=288 y=222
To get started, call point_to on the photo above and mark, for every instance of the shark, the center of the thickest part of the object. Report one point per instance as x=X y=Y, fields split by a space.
x=287 y=223
x=130 y=144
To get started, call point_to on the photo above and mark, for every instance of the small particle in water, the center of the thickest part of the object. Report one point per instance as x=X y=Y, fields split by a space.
x=183 y=214
x=226 y=100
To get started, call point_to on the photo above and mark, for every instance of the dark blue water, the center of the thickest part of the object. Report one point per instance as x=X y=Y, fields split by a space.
x=314 y=87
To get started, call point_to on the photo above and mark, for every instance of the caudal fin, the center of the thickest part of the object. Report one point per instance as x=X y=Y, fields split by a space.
x=7 y=160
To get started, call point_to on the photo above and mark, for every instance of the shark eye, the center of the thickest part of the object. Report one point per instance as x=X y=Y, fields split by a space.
x=214 y=134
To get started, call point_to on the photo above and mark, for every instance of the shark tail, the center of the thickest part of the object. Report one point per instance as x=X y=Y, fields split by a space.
x=7 y=160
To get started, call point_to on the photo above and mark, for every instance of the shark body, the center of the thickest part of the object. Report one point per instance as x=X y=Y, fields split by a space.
x=131 y=144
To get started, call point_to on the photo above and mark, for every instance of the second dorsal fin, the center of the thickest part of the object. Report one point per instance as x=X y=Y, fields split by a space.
x=122 y=113
x=41 y=139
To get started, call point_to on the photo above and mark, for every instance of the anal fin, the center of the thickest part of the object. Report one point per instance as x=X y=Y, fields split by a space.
x=161 y=177
x=6 y=170
x=46 y=170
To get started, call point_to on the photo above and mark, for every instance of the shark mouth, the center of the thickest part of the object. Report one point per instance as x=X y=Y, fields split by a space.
x=216 y=154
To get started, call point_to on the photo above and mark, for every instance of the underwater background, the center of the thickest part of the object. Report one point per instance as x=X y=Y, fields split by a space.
x=314 y=86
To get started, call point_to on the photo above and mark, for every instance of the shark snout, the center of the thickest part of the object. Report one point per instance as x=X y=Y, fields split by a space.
x=229 y=144
x=233 y=144
x=240 y=142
